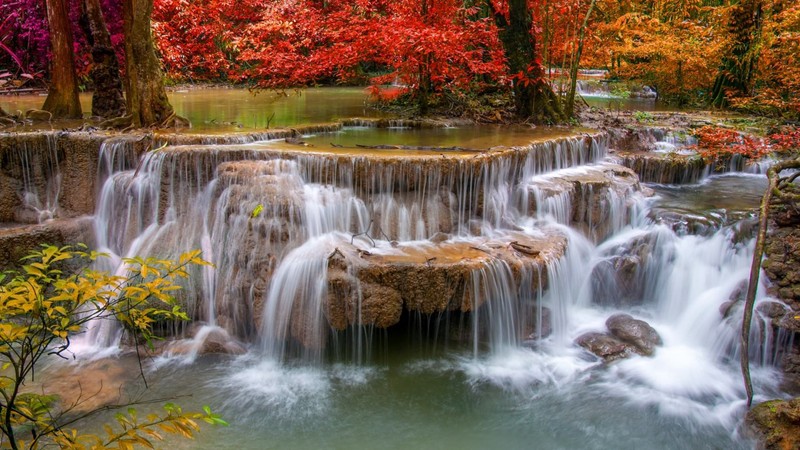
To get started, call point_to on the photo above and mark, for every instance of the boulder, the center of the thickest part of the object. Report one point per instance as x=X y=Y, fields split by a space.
x=605 y=346
x=776 y=424
x=633 y=331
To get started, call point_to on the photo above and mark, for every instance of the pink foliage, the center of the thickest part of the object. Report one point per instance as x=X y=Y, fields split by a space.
x=25 y=38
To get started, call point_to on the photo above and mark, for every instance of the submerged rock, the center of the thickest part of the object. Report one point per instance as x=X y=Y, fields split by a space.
x=776 y=424
x=633 y=331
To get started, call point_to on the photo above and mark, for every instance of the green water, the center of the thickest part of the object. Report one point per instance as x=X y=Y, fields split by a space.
x=229 y=109
x=413 y=402
x=466 y=137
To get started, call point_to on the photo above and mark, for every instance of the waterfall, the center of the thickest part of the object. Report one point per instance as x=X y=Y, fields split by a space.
x=275 y=223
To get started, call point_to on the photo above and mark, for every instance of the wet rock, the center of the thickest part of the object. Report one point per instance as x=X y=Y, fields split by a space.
x=540 y=328
x=619 y=280
x=771 y=310
x=374 y=287
x=18 y=241
x=207 y=340
x=593 y=198
x=439 y=237
x=736 y=298
x=633 y=331
x=726 y=308
x=605 y=346
x=665 y=168
x=776 y=424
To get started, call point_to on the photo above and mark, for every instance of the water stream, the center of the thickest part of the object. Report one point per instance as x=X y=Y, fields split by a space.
x=482 y=373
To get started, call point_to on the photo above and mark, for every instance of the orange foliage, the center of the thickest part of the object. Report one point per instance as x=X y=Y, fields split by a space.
x=778 y=71
x=677 y=53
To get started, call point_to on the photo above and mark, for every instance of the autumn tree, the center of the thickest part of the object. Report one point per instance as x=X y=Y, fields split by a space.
x=147 y=100
x=533 y=97
x=738 y=66
x=62 y=99
x=576 y=60
x=674 y=50
x=776 y=82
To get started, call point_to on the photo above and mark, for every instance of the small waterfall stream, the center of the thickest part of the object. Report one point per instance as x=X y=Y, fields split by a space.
x=539 y=245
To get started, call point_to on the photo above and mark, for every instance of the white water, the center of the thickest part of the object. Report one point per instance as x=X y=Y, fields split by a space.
x=274 y=267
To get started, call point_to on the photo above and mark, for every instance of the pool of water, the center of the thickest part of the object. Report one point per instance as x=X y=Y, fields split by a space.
x=512 y=400
x=229 y=109
x=732 y=192
x=481 y=137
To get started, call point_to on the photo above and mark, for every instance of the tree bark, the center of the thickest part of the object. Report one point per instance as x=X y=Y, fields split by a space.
x=573 y=71
x=62 y=98
x=107 y=99
x=533 y=97
x=147 y=99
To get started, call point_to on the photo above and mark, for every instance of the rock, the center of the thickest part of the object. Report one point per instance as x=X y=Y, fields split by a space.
x=219 y=341
x=619 y=280
x=776 y=424
x=439 y=237
x=633 y=331
x=546 y=328
x=771 y=310
x=605 y=346
x=727 y=308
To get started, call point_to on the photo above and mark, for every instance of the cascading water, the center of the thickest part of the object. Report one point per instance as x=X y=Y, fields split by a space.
x=276 y=224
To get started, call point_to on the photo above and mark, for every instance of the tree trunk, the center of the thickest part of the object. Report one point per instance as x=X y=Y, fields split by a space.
x=533 y=97
x=573 y=71
x=147 y=100
x=62 y=98
x=107 y=99
x=738 y=65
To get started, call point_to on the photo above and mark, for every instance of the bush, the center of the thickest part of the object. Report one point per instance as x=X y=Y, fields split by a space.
x=45 y=303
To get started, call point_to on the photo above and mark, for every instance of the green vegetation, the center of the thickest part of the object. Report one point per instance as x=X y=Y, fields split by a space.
x=51 y=298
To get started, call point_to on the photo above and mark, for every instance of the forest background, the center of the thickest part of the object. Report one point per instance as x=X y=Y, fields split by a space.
x=739 y=54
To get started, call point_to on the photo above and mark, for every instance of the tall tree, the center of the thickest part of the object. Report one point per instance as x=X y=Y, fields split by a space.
x=533 y=97
x=107 y=99
x=148 y=104
x=62 y=98
x=576 y=60
x=738 y=66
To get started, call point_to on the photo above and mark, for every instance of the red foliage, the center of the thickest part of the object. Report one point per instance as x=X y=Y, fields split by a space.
x=24 y=37
x=278 y=44
x=715 y=142
x=787 y=140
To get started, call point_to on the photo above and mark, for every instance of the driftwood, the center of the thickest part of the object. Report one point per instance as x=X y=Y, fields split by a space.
x=778 y=188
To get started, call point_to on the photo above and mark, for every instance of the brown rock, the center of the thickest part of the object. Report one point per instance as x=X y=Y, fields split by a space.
x=776 y=424
x=633 y=331
x=605 y=346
